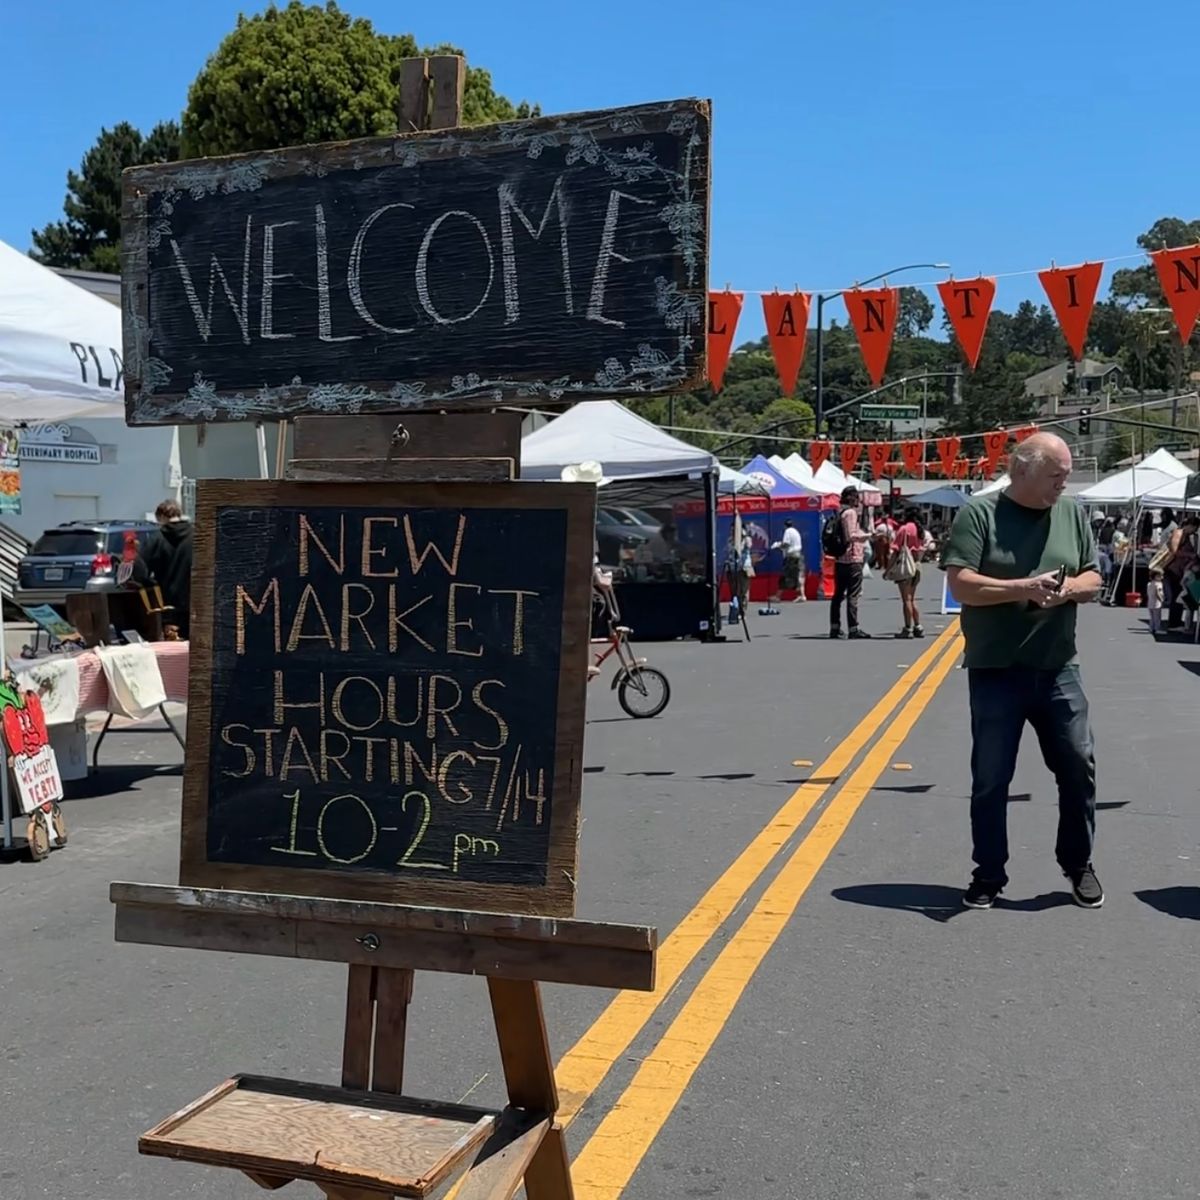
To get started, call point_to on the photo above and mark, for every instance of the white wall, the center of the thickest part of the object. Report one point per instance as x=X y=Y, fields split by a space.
x=139 y=468
x=226 y=451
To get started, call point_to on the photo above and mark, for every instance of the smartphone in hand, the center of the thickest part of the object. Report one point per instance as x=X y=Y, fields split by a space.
x=1060 y=578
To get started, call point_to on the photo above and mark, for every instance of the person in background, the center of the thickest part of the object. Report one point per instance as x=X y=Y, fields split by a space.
x=168 y=556
x=1181 y=549
x=1155 y=598
x=793 y=560
x=1166 y=527
x=848 y=567
x=1146 y=529
x=1104 y=546
x=910 y=536
x=1020 y=562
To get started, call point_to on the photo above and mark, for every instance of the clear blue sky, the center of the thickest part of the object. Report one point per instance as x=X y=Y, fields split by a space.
x=848 y=137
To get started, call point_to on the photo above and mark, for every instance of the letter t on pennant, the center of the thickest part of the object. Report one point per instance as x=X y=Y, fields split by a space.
x=968 y=305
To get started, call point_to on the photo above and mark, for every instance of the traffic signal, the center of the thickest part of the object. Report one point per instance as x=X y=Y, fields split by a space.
x=1085 y=424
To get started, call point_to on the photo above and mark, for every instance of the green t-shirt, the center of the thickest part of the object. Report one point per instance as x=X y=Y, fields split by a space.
x=998 y=537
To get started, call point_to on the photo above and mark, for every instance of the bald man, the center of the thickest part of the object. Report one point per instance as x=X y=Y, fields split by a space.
x=1019 y=562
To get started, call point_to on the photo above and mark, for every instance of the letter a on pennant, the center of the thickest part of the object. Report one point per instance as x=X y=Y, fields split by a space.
x=1072 y=292
x=873 y=314
x=724 y=308
x=787 y=330
x=968 y=305
x=1179 y=274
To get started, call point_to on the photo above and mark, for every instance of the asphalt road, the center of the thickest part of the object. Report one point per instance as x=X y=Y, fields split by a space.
x=830 y=1024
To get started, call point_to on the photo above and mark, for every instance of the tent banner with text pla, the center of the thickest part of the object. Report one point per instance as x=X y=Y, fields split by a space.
x=787 y=332
x=873 y=314
x=724 y=308
x=818 y=454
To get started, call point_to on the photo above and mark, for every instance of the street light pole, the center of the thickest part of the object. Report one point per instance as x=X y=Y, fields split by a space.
x=819 y=404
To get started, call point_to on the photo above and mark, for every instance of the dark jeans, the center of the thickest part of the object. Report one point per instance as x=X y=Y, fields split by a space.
x=847 y=584
x=1054 y=704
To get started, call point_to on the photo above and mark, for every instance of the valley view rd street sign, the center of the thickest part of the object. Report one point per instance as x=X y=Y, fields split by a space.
x=889 y=412
x=557 y=258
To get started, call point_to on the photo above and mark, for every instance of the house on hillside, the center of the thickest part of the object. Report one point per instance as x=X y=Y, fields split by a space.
x=1094 y=383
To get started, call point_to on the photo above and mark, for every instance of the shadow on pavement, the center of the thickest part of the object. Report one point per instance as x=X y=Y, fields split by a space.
x=1194 y=667
x=936 y=901
x=111 y=781
x=910 y=789
x=1182 y=902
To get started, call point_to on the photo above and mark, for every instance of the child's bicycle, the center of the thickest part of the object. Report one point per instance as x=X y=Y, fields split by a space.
x=641 y=690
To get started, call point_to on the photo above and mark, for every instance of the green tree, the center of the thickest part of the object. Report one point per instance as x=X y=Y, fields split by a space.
x=306 y=73
x=915 y=313
x=89 y=236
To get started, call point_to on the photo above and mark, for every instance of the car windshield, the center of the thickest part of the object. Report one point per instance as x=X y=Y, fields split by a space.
x=618 y=516
x=66 y=541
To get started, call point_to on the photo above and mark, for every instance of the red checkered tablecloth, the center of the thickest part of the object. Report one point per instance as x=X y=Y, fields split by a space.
x=172 y=658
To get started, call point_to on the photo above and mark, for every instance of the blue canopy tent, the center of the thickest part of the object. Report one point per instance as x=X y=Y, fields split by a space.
x=945 y=497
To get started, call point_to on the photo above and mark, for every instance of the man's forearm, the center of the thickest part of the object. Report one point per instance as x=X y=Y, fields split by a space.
x=980 y=591
x=1083 y=589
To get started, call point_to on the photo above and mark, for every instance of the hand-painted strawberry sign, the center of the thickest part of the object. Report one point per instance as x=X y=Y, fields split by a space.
x=34 y=766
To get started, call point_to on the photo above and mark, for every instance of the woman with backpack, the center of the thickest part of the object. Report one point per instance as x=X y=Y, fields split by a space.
x=904 y=570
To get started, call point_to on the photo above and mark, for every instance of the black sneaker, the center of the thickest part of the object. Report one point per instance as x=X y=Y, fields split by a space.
x=905 y=633
x=982 y=893
x=918 y=631
x=836 y=634
x=1085 y=888
x=859 y=635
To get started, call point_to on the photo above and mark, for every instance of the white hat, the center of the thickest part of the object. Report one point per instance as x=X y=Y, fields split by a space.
x=584 y=472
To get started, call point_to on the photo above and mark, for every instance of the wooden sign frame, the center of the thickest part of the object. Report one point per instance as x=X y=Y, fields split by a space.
x=557 y=896
x=635 y=180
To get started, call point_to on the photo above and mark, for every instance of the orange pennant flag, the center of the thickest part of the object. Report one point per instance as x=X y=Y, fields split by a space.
x=1072 y=292
x=787 y=331
x=962 y=467
x=1019 y=435
x=724 y=308
x=877 y=455
x=913 y=454
x=968 y=305
x=818 y=453
x=1179 y=274
x=993 y=444
x=851 y=453
x=873 y=314
x=948 y=448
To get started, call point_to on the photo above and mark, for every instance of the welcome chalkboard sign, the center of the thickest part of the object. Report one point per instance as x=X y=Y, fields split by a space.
x=533 y=260
x=387 y=691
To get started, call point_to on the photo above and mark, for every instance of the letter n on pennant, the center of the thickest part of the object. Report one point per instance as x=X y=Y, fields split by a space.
x=968 y=305
x=724 y=308
x=787 y=331
x=1072 y=292
x=873 y=315
x=818 y=453
x=1179 y=274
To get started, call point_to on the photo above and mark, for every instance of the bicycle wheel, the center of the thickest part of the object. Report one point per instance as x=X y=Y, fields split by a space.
x=644 y=692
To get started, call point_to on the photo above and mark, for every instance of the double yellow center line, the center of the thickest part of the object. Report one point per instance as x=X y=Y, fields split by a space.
x=609 y=1158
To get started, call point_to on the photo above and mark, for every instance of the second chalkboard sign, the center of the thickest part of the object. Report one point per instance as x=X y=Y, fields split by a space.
x=532 y=260
x=387 y=690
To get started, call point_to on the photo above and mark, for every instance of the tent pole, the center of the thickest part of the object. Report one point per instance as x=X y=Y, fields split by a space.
x=261 y=435
x=5 y=792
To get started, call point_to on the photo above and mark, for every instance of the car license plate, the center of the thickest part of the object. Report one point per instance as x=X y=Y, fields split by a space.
x=54 y=573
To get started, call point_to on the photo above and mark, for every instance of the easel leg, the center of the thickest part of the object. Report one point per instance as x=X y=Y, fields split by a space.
x=529 y=1075
x=99 y=742
x=377 y=1000
x=360 y=1028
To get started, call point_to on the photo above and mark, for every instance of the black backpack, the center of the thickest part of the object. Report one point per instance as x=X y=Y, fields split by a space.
x=834 y=541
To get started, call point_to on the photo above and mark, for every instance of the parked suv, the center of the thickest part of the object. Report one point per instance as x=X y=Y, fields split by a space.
x=80 y=556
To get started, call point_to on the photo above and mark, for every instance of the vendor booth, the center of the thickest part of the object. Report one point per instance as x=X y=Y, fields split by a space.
x=763 y=516
x=655 y=512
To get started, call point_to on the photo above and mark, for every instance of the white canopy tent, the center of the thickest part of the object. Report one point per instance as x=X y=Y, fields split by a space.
x=828 y=479
x=1179 y=493
x=997 y=485
x=1124 y=487
x=624 y=444
x=734 y=483
x=60 y=347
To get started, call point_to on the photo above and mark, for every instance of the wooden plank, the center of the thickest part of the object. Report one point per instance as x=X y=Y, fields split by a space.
x=359 y=1034
x=448 y=269
x=422 y=435
x=549 y=1174
x=500 y=1165
x=328 y=1136
x=429 y=470
x=473 y=798
x=524 y=1046
x=414 y=94
x=392 y=998
x=446 y=951
x=447 y=81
